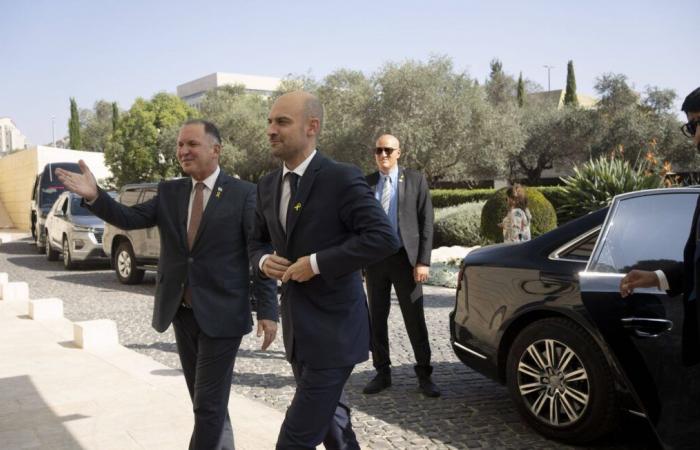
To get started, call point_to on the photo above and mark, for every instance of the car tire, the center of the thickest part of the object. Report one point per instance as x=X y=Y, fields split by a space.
x=51 y=254
x=68 y=262
x=561 y=382
x=41 y=249
x=125 y=265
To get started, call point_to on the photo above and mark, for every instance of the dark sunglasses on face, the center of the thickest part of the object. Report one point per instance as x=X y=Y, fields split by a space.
x=689 y=128
x=380 y=150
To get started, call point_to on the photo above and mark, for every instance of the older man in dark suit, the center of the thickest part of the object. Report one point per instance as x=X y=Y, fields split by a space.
x=205 y=222
x=681 y=278
x=405 y=198
x=317 y=225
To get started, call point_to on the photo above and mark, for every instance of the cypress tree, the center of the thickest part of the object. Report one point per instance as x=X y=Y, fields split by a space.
x=521 y=91
x=74 y=127
x=570 y=98
x=115 y=116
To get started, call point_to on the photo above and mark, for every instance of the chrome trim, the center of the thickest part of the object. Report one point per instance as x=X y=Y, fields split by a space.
x=554 y=256
x=460 y=346
x=637 y=413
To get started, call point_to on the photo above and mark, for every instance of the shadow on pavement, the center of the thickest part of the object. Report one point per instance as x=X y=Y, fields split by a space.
x=107 y=281
x=472 y=414
x=26 y=421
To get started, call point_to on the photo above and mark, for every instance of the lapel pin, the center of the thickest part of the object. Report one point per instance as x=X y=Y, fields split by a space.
x=218 y=192
x=401 y=179
x=297 y=207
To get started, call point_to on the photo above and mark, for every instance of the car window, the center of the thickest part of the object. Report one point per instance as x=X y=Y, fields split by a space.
x=646 y=232
x=581 y=248
x=64 y=206
x=148 y=194
x=129 y=197
x=76 y=209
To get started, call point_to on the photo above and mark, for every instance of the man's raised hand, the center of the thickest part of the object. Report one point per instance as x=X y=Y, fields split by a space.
x=83 y=183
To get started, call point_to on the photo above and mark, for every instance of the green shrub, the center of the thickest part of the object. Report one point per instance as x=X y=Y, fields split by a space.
x=442 y=198
x=458 y=225
x=557 y=197
x=544 y=218
x=593 y=185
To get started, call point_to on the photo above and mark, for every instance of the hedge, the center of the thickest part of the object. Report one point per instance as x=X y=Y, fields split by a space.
x=458 y=225
x=442 y=198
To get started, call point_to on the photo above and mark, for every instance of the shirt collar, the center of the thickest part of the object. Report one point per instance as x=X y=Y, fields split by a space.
x=208 y=181
x=393 y=174
x=301 y=168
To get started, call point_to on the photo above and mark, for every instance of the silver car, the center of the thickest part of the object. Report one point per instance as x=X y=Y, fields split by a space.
x=72 y=230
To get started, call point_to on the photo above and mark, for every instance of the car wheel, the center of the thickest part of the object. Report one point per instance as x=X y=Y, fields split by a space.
x=40 y=247
x=67 y=258
x=560 y=381
x=125 y=265
x=51 y=254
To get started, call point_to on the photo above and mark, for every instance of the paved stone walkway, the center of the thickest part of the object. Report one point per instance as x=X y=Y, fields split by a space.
x=474 y=412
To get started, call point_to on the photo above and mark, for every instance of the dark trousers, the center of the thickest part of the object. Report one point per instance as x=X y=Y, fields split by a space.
x=319 y=412
x=396 y=270
x=208 y=366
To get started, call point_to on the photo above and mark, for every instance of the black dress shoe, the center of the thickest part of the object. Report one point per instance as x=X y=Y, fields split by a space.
x=428 y=388
x=380 y=382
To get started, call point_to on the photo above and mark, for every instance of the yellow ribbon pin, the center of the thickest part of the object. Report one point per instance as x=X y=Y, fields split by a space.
x=297 y=207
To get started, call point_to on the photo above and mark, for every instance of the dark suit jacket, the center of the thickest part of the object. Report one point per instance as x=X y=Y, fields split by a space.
x=684 y=278
x=325 y=321
x=217 y=266
x=415 y=211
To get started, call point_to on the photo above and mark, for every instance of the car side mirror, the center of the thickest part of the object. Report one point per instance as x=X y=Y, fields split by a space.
x=59 y=213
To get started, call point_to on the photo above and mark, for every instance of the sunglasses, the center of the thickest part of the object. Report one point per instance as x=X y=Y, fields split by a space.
x=387 y=150
x=689 y=128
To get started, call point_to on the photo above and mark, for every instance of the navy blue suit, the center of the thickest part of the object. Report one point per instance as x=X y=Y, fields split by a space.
x=325 y=321
x=216 y=271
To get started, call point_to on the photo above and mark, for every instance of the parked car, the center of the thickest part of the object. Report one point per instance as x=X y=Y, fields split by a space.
x=73 y=231
x=545 y=318
x=132 y=252
x=47 y=188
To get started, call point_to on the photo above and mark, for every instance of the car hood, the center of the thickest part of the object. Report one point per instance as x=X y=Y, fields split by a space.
x=88 y=221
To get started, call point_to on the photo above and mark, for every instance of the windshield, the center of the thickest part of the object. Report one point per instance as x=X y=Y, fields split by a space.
x=49 y=195
x=76 y=209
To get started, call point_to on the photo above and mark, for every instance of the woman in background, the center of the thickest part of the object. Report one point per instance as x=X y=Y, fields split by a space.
x=516 y=224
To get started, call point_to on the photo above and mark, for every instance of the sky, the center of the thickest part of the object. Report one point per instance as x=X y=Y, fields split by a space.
x=118 y=51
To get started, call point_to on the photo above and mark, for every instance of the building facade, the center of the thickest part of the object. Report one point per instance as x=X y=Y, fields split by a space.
x=10 y=136
x=193 y=91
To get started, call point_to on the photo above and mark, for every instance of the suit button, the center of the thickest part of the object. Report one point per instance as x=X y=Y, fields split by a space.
x=190 y=260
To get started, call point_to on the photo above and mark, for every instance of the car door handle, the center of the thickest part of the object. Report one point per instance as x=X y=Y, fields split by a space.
x=647 y=327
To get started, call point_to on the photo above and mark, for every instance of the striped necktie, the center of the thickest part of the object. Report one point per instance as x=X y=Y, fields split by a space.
x=386 y=194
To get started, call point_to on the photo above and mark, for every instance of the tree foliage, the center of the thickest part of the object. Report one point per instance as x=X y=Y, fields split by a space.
x=570 y=97
x=96 y=126
x=143 y=146
x=74 y=126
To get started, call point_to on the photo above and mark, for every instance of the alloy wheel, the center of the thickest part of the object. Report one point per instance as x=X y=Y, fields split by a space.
x=553 y=382
x=124 y=264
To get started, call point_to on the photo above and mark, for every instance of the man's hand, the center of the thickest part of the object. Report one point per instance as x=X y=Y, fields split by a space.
x=269 y=329
x=421 y=273
x=299 y=271
x=275 y=266
x=637 y=279
x=83 y=184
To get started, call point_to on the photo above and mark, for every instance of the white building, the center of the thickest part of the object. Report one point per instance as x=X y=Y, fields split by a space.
x=193 y=91
x=10 y=136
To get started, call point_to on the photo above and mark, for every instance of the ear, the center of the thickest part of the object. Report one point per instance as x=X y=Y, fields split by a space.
x=313 y=127
x=398 y=153
x=217 y=150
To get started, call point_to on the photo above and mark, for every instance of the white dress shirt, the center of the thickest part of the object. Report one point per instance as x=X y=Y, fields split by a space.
x=284 y=202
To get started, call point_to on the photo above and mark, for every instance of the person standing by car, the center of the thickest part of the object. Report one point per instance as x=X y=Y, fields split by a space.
x=683 y=277
x=516 y=223
x=205 y=221
x=405 y=198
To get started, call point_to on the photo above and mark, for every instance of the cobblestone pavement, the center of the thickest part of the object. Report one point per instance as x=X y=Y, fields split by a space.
x=473 y=412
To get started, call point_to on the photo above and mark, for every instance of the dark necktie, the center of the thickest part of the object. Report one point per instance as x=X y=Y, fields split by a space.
x=293 y=180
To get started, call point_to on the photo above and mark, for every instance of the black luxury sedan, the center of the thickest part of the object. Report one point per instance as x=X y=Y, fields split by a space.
x=546 y=318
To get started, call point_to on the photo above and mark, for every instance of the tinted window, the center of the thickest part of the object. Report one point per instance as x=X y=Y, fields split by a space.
x=50 y=194
x=76 y=209
x=129 y=197
x=646 y=233
x=148 y=194
x=580 y=250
